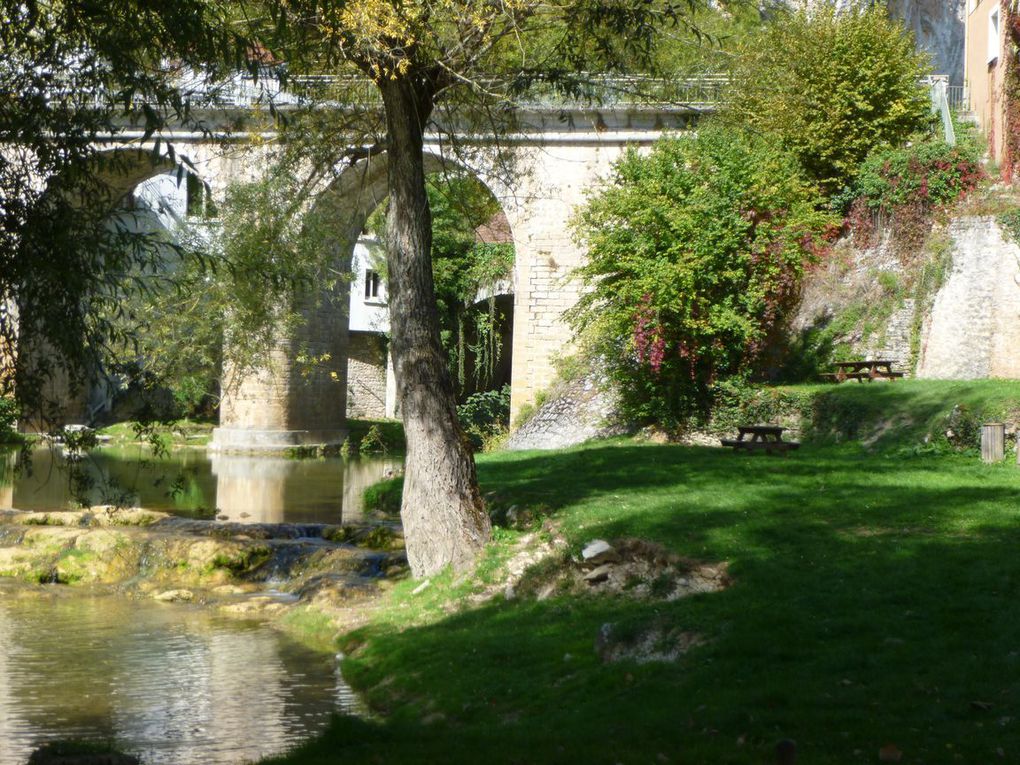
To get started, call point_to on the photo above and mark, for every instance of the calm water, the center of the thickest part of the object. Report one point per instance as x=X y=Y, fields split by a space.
x=170 y=683
x=197 y=483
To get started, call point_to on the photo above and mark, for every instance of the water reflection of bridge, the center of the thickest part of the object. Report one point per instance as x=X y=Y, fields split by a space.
x=274 y=489
x=240 y=488
x=172 y=684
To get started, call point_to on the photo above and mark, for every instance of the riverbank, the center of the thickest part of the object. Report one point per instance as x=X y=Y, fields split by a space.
x=304 y=577
x=864 y=603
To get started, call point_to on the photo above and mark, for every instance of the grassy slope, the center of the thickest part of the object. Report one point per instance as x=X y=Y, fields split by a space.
x=873 y=602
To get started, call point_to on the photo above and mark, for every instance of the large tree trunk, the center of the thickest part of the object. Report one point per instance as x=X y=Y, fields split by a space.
x=444 y=518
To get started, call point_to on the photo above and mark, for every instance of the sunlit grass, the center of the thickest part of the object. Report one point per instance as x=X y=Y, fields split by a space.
x=872 y=601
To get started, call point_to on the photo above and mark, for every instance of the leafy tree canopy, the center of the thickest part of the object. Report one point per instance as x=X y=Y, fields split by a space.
x=72 y=72
x=832 y=86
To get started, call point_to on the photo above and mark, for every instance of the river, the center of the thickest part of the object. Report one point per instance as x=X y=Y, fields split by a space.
x=171 y=683
x=196 y=483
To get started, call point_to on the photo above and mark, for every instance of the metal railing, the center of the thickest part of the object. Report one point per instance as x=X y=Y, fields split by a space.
x=704 y=93
x=959 y=100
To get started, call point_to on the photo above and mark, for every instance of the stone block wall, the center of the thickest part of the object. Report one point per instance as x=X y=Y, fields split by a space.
x=974 y=327
x=539 y=212
x=298 y=395
x=366 y=376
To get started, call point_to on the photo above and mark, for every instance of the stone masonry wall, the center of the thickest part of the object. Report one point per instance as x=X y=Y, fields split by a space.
x=539 y=211
x=575 y=412
x=851 y=276
x=974 y=327
x=297 y=397
x=366 y=376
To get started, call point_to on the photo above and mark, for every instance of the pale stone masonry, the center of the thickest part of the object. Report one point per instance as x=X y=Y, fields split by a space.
x=366 y=376
x=974 y=327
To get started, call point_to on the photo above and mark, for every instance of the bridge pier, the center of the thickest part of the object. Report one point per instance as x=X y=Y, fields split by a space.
x=297 y=395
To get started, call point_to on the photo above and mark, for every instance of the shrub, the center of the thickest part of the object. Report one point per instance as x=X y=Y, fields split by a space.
x=8 y=419
x=832 y=87
x=384 y=496
x=485 y=415
x=906 y=186
x=695 y=253
x=736 y=403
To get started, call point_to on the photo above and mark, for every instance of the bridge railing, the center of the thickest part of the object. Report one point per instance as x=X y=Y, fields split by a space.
x=245 y=91
x=702 y=93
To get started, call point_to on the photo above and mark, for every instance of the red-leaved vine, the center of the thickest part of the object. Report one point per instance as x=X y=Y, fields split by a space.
x=1011 y=89
x=648 y=334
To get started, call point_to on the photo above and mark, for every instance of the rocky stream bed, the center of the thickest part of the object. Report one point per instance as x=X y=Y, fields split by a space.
x=245 y=569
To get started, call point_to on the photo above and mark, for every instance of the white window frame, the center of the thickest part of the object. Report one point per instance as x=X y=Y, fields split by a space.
x=994 y=35
x=373 y=286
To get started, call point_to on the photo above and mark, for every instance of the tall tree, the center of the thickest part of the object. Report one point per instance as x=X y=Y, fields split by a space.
x=832 y=85
x=437 y=65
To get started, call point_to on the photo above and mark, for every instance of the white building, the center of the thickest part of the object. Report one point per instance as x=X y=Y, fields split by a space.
x=371 y=386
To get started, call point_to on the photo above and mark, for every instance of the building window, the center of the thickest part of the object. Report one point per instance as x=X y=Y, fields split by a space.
x=993 y=35
x=371 y=284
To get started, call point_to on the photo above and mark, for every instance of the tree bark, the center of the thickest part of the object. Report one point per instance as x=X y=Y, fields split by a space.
x=444 y=518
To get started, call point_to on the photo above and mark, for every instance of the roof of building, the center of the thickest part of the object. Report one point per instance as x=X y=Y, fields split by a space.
x=496 y=231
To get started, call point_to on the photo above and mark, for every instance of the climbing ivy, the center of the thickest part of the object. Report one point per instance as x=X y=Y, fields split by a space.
x=903 y=188
x=1011 y=88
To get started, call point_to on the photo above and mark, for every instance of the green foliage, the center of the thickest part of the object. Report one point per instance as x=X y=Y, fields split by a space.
x=906 y=186
x=736 y=403
x=695 y=255
x=929 y=171
x=833 y=87
x=254 y=274
x=384 y=496
x=8 y=418
x=1010 y=223
x=485 y=415
x=74 y=71
x=373 y=437
x=372 y=442
x=938 y=262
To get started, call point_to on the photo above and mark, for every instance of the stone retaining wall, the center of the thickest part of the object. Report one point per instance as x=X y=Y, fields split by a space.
x=574 y=412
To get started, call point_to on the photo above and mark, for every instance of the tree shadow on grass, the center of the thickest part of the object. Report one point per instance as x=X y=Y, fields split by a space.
x=886 y=617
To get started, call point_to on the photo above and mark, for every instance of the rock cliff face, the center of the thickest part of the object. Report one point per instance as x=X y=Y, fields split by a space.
x=937 y=24
x=968 y=329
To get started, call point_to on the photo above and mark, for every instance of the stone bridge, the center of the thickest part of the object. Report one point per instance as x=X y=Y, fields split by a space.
x=562 y=153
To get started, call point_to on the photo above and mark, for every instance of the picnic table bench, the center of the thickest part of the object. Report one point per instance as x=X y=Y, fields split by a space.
x=861 y=370
x=767 y=438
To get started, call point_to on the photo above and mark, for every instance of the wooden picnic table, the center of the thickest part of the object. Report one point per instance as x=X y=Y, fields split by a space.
x=767 y=438
x=863 y=369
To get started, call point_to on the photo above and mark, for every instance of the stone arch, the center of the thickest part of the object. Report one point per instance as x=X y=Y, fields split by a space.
x=358 y=192
x=116 y=172
x=282 y=405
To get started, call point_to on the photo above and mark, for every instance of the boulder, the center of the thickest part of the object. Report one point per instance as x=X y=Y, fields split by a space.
x=597 y=552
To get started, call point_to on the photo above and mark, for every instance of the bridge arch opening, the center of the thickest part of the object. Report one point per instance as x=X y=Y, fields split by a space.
x=473 y=260
x=142 y=198
x=364 y=386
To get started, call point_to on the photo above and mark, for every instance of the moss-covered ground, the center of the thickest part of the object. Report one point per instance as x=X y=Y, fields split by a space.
x=873 y=602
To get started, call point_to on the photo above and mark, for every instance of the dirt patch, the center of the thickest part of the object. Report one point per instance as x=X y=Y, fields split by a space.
x=634 y=568
x=654 y=643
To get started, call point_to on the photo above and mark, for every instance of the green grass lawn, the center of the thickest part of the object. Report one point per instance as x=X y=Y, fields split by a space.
x=873 y=601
